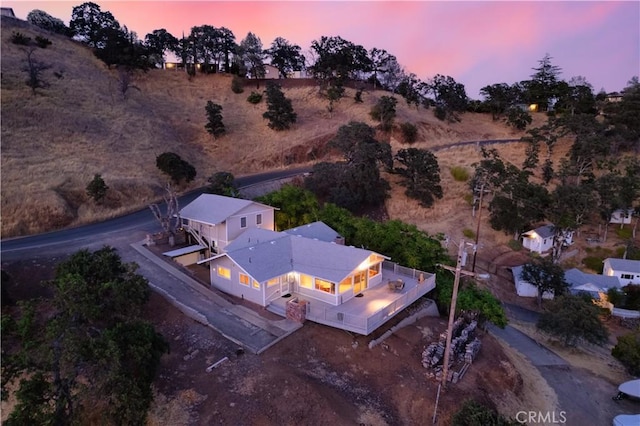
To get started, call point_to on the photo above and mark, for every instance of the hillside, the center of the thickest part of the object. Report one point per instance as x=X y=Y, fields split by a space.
x=55 y=141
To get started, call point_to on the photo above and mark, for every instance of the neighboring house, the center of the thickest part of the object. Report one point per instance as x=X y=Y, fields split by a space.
x=614 y=97
x=627 y=271
x=214 y=221
x=271 y=72
x=594 y=284
x=524 y=288
x=540 y=240
x=621 y=216
x=7 y=11
x=299 y=74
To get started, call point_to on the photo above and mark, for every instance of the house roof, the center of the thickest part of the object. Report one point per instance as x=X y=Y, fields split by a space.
x=577 y=278
x=545 y=231
x=316 y=230
x=625 y=265
x=286 y=253
x=214 y=209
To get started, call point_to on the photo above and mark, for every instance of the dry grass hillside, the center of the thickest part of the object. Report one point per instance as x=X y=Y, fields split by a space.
x=55 y=141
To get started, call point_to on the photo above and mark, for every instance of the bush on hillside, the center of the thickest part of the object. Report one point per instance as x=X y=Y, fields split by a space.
x=21 y=39
x=97 y=188
x=627 y=351
x=177 y=168
x=43 y=42
x=460 y=174
x=237 y=84
x=409 y=132
x=254 y=98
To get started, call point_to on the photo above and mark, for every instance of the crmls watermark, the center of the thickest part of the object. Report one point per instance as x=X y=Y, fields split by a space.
x=542 y=417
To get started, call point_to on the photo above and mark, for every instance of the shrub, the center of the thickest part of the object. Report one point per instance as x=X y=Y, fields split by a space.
x=19 y=38
x=43 y=42
x=177 y=168
x=515 y=245
x=468 y=233
x=358 y=96
x=409 y=132
x=440 y=113
x=97 y=189
x=593 y=262
x=460 y=174
x=254 y=98
x=627 y=351
x=474 y=413
x=237 y=84
x=384 y=111
x=624 y=233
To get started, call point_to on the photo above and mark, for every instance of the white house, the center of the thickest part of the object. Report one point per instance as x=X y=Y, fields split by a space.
x=622 y=216
x=627 y=271
x=309 y=265
x=524 y=288
x=262 y=265
x=214 y=221
x=593 y=284
x=540 y=240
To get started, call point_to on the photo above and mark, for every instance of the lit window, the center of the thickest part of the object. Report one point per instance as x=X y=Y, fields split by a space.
x=259 y=219
x=244 y=279
x=374 y=270
x=326 y=286
x=273 y=281
x=256 y=284
x=305 y=281
x=243 y=222
x=224 y=272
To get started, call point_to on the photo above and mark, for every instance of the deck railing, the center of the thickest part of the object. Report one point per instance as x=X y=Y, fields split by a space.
x=366 y=324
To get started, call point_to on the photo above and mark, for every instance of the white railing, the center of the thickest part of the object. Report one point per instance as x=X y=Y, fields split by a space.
x=366 y=324
x=403 y=270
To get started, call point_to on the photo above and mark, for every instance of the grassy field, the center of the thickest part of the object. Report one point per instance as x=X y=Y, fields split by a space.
x=55 y=141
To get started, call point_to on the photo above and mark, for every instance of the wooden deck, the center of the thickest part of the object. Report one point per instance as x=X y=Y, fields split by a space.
x=376 y=306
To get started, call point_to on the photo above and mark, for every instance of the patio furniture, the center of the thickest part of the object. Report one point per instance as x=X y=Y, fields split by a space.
x=396 y=285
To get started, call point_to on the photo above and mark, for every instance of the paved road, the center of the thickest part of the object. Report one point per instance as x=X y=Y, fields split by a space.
x=141 y=220
x=584 y=397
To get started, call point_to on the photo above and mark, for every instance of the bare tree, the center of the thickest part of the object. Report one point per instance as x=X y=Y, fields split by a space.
x=169 y=220
x=34 y=69
x=125 y=82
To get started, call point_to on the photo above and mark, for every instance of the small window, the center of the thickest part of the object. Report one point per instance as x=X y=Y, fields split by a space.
x=272 y=282
x=256 y=284
x=259 y=219
x=244 y=279
x=626 y=276
x=224 y=272
x=243 y=222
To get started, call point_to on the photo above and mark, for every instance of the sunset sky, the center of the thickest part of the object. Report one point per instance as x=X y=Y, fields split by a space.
x=477 y=43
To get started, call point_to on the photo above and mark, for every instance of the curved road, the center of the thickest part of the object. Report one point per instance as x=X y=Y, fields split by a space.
x=141 y=220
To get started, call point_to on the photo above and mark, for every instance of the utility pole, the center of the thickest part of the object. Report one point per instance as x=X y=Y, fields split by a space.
x=452 y=313
x=452 y=310
x=475 y=251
